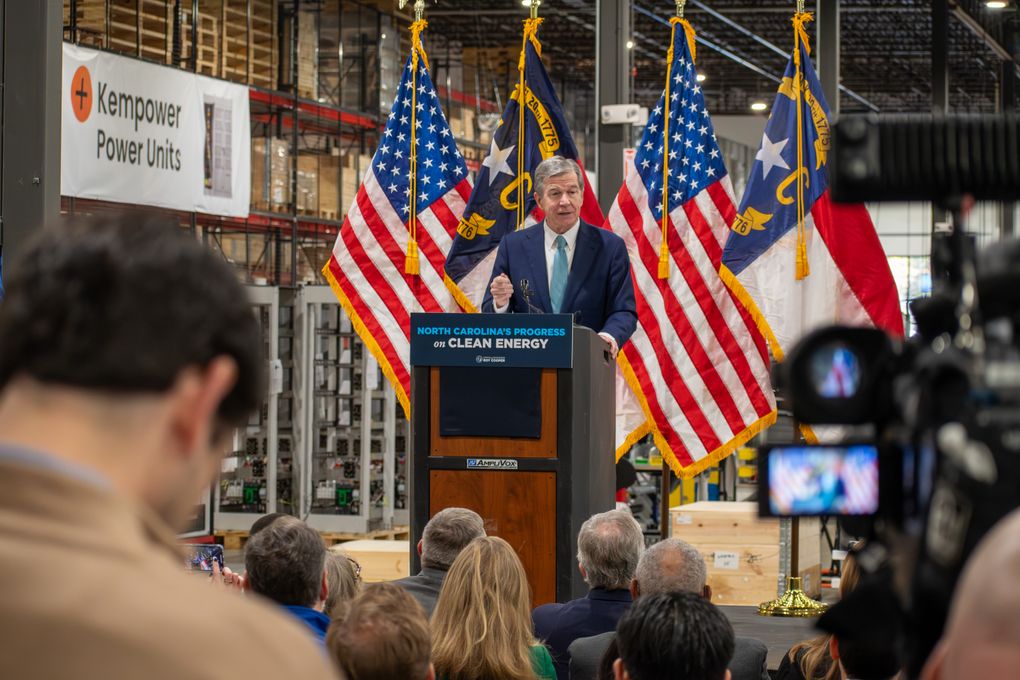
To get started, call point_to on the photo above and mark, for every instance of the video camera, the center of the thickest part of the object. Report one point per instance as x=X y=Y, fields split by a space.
x=939 y=463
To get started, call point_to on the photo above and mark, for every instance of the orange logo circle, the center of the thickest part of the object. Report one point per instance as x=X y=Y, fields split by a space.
x=81 y=94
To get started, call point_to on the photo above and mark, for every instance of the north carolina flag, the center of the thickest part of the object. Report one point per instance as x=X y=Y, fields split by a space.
x=832 y=270
x=503 y=196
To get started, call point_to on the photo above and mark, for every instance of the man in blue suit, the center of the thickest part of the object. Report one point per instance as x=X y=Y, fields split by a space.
x=563 y=264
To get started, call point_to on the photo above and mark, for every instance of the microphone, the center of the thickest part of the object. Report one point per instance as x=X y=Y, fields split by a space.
x=526 y=294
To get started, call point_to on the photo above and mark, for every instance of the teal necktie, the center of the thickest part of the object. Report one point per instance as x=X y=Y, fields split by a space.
x=558 y=284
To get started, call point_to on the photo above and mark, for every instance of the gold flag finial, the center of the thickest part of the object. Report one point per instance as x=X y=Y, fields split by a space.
x=680 y=4
x=534 y=8
x=419 y=8
x=800 y=6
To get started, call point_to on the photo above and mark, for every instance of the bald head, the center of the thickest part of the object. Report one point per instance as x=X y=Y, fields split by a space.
x=670 y=566
x=982 y=636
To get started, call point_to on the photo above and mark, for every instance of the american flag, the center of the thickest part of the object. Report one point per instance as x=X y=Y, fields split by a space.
x=697 y=362
x=367 y=269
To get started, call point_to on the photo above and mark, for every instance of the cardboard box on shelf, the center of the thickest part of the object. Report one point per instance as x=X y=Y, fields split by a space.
x=329 y=187
x=743 y=552
x=270 y=174
x=307 y=198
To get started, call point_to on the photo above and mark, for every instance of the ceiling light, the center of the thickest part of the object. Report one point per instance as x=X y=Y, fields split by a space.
x=759 y=106
x=630 y=44
x=701 y=77
x=996 y=4
x=526 y=3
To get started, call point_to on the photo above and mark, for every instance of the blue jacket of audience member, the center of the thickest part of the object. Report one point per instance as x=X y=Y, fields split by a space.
x=315 y=620
x=560 y=624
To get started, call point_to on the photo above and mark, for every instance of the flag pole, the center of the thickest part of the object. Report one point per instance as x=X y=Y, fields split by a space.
x=530 y=27
x=412 y=266
x=800 y=35
x=678 y=20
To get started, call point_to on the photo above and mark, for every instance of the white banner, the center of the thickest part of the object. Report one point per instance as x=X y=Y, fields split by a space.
x=146 y=134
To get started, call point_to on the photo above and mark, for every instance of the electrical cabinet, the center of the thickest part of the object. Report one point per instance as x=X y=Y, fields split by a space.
x=345 y=430
x=256 y=475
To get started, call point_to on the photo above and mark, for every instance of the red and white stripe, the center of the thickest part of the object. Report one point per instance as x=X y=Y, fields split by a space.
x=697 y=361
x=366 y=270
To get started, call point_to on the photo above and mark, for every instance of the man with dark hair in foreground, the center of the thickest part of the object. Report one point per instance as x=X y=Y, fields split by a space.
x=383 y=635
x=128 y=353
x=673 y=635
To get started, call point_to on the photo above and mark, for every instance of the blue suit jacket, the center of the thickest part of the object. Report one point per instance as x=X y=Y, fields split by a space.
x=599 y=288
x=557 y=625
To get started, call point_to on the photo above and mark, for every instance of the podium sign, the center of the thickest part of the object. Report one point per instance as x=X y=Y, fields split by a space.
x=503 y=340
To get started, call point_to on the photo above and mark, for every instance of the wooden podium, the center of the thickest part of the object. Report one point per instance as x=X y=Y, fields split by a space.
x=534 y=492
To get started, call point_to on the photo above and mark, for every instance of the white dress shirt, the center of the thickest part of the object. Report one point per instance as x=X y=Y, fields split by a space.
x=550 y=253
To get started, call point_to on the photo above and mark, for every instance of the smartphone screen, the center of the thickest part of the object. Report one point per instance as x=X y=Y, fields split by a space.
x=201 y=557
x=821 y=480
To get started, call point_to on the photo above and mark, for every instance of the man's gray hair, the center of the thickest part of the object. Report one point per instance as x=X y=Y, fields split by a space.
x=608 y=548
x=671 y=566
x=446 y=534
x=285 y=562
x=556 y=165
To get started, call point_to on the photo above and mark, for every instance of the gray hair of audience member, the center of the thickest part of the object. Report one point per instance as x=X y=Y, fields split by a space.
x=285 y=562
x=446 y=534
x=609 y=546
x=553 y=166
x=341 y=581
x=671 y=566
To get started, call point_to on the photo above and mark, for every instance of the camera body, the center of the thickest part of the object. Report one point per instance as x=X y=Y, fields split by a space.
x=939 y=413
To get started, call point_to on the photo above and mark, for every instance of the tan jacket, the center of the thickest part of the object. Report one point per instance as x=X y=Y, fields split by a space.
x=91 y=587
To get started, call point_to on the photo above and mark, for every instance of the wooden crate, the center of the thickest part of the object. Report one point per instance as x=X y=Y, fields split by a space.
x=382 y=560
x=743 y=552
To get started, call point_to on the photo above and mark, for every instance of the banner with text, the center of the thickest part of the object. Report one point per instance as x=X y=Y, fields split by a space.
x=500 y=340
x=133 y=132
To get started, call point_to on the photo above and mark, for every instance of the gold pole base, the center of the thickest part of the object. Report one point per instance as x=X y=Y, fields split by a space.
x=794 y=602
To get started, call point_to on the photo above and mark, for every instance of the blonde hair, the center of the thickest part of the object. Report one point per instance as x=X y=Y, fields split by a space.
x=481 y=627
x=816 y=663
x=342 y=582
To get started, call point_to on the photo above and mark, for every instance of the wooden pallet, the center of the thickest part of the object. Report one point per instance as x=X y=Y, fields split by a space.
x=235 y=540
x=143 y=28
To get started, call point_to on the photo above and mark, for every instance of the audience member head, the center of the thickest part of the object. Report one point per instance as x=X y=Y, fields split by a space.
x=481 y=627
x=384 y=634
x=982 y=634
x=286 y=563
x=866 y=626
x=343 y=579
x=865 y=658
x=673 y=635
x=608 y=548
x=446 y=534
x=264 y=521
x=815 y=657
x=143 y=341
x=671 y=566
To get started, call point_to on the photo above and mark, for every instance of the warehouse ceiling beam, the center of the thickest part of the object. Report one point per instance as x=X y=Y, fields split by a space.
x=975 y=27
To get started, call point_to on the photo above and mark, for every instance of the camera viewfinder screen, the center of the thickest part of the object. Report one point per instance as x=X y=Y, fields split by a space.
x=835 y=371
x=823 y=480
